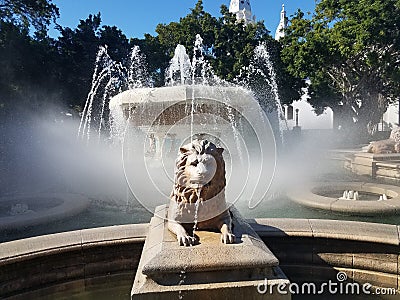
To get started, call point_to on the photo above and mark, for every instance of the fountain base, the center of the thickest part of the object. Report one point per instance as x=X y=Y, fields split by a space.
x=210 y=269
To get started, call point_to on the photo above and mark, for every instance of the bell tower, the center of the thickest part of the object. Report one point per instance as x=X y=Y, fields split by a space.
x=280 y=31
x=242 y=10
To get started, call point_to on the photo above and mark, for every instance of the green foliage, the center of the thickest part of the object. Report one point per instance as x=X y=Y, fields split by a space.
x=26 y=13
x=27 y=75
x=36 y=70
x=229 y=46
x=184 y=32
x=350 y=50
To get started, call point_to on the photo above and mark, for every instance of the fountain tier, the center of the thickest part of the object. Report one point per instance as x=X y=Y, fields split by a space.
x=179 y=112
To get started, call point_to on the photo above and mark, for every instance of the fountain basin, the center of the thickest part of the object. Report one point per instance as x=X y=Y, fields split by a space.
x=34 y=209
x=77 y=261
x=316 y=196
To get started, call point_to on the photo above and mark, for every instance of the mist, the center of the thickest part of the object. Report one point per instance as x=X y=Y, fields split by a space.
x=41 y=153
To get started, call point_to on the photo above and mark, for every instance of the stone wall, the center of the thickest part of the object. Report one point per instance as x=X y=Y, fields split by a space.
x=316 y=250
x=76 y=257
x=308 y=250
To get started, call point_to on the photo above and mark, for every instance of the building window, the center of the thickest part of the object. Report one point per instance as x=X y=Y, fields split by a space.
x=289 y=113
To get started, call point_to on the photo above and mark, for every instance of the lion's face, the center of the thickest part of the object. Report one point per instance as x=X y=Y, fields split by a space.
x=200 y=169
x=200 y=172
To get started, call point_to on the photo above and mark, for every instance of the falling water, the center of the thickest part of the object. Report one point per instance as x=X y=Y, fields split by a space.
x=111 y=78
x=260 y=77
x=138 y=76
x=101 y=72
x=198 y=64
x=179 y=68
x=182 y=71
x=196 y=209
x=261 y=53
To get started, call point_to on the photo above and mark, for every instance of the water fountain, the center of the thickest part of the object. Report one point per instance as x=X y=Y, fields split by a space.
x=151 y=124
x=359 y=198
x=193 y=103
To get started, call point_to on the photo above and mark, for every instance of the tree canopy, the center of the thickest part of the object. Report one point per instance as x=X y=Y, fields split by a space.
x=26 y=13
x=350 y=50
x=229 y=45
x=37 y=70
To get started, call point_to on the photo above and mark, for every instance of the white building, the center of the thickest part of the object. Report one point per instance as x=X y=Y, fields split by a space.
x=390 y=118
x=280 y=31
x=307 y=119
x=242 y=10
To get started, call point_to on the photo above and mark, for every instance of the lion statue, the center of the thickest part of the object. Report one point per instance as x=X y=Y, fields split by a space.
x=198 y=195
x=390 y=145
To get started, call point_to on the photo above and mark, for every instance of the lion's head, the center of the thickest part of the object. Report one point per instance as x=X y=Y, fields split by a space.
x=200 y=171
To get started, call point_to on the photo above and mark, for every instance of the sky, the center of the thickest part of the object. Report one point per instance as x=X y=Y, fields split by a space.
x=137 y=17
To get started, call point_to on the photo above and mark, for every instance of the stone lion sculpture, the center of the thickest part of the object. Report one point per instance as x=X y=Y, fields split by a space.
x=198 y=195
x=390 y=145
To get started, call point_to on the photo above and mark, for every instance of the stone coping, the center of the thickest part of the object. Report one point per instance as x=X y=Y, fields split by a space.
x=328 y=229
x=389 y=164
x=307 y=196
x=70 y=204
x=72 y=240
x=378 y=157
x=59 y=243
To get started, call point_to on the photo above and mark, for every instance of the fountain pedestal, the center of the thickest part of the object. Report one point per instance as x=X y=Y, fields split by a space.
x=209 y=270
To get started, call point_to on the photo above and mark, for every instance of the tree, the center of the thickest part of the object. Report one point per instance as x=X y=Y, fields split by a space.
x=26 y=13
x=235 y=43
x=229 y=45
x=116 y=41
x=184 y=32
x=28 y=75
x=351 y=52
x=77 y=49
x=26 y=71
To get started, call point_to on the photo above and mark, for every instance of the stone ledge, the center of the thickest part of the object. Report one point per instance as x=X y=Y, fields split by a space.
x=294 y=229
x=329 y=229
x=265 y=227
x=69 y=241
x=377 y=157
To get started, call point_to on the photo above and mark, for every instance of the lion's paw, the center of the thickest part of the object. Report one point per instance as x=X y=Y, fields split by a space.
x=227 y=238
x=186 y=240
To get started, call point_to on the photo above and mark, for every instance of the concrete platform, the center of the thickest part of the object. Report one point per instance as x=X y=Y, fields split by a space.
x=209 y=270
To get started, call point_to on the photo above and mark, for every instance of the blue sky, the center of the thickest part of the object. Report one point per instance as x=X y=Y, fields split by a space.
x=137 y=17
